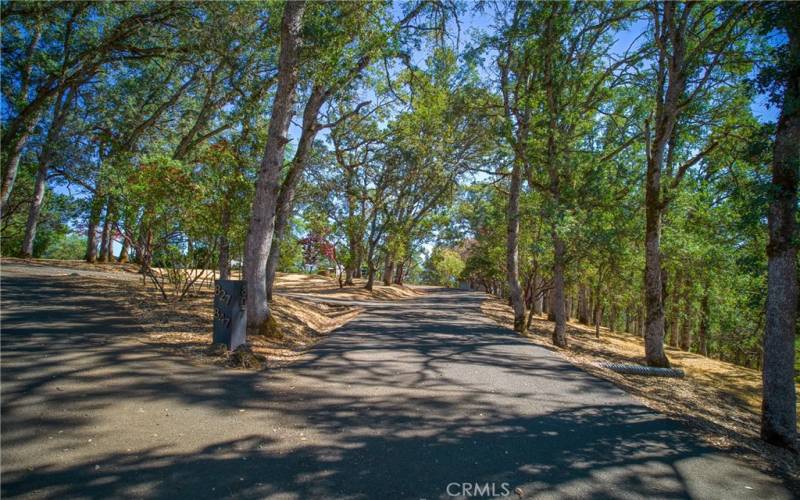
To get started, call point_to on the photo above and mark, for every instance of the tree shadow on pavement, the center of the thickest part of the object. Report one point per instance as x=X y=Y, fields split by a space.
x=377 y=410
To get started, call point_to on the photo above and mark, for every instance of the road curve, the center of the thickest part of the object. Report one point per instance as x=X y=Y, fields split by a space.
x=420 y=398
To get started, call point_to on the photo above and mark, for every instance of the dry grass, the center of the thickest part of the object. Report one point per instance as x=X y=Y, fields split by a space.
x=185 y=327
x=719 y=400
x=111 y=267
x=326 y=287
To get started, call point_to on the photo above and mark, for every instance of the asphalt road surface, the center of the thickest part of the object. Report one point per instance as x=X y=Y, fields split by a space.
x=414 y=399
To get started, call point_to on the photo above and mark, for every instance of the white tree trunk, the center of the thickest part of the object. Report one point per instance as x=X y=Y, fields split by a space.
x=34 y=211
x=262 y=219
x=512 y=248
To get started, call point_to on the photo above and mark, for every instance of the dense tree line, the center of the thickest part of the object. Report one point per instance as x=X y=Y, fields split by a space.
x=589 y=160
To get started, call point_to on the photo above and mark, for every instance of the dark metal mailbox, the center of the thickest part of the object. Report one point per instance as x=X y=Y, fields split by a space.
x=230 y=315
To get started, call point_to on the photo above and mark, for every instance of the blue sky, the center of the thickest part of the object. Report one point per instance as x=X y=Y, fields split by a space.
x=473 y=22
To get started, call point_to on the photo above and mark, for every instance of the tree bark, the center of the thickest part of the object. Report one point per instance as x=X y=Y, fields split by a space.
x=146 y=242
x=398 y=275
x=105 y=235
x=18 y=140
x=703 y=331
x=370 y=272
x=34 y=210
x=224 y=262
x=598 y=315
x=654 y=321
x=388 y=269
x=262 y=220
x=670 y=303
x=671 y=83
x=372 y=242
x=285 y=203
x=628 y=320
x=538 y=299
x=570 y=303
x=512 y=248
x=123 y=251
x=94 y=221
x=612 y=319
x=60 y=109
x=559 y=307
x=353 y=261
x=778 y=408
x=583 y=306
x=686 y=326
x=640 y=323
x=12 y=162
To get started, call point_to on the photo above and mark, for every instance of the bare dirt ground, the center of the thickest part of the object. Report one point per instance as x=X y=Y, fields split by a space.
x=304 y=318
x=720 y=400
x=306 y=308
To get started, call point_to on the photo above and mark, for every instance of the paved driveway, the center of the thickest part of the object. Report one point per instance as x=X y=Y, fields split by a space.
x=415 y=399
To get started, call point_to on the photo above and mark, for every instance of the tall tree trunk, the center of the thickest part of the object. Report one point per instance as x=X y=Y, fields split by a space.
x=640 y=323
x=124 y=251
x=372 y=242
x=628 y=320
x=370 y=271
x=146 y=245
x=512 y=248
x=670 y=85
x=224 y=262
x=351 y=267
x=598 y=318
x=285 y=202
x=559 y=307
x=538 y=298
x=12 y=162
x=702 y=330
x=105 y=235
x=34 y=210
x=686 y=325
x=612 y=319
x=281 y=221
x=654 y=321
x=674 y=340
x=262 y=220
x=778 y=408
x=597 y=313
x=569 y=303
x=60 y=110
x=94 y=221
x=583 y=305
x=388 y=268
x=398 y=275
x=12 y=148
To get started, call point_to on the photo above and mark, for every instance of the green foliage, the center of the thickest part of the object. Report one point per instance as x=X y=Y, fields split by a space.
x=68 y=246
x=291 y=260
x=169 y=124
x=59 y=212
x=444 y=267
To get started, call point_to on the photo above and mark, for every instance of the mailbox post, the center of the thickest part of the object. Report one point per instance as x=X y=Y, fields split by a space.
x=230 y=314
